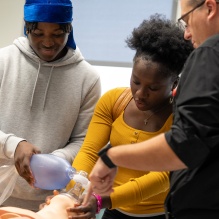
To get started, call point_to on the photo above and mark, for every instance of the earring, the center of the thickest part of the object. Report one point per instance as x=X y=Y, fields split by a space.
x=172 y=95
x=171 y=99
x=174 y=92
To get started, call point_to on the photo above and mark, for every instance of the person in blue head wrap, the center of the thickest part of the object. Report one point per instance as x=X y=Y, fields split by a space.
x=47 y=96
x=53 y=11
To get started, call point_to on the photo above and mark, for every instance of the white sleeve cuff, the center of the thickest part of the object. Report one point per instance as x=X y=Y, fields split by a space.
x=11 y=144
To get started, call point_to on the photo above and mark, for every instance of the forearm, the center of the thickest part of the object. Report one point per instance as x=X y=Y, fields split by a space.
x=87 y=155
x=151 y=155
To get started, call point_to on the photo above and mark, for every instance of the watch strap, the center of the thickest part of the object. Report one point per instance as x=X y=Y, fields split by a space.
x=103 y=155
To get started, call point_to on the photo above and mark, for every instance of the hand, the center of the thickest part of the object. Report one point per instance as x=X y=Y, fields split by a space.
x=87 y=211
x=101 y=180
x=23 y=153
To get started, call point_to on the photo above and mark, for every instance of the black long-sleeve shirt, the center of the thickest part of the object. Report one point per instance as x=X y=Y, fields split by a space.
x=194 y=136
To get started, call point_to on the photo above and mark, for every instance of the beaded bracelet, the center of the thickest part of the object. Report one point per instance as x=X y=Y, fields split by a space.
x=99 y=202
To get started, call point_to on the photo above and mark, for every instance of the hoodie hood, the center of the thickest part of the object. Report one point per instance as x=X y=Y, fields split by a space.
x=72 y=56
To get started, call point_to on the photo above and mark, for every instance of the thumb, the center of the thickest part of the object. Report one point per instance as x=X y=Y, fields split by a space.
x=88 y=195
x=55 y=192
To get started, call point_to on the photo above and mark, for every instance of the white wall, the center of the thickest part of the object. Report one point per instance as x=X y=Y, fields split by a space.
x=112 y=77
x=178 y=13
x=11 y=22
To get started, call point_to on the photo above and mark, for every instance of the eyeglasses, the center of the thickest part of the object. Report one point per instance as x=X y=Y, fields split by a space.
x=181 y=21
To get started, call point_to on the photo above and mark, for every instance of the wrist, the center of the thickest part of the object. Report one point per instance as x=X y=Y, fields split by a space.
x=106 y=202
x=105 y=158
x=98 y=201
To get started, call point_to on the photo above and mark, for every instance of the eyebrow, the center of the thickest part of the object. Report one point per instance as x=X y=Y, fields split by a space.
x=53 y=30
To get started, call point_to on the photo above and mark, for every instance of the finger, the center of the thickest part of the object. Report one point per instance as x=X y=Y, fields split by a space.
x=29 y=176
x=26 y=170
x=87 y=215
x=78 y=209
x=37 y=151
x=26 y=175
x=88 y=195
x=77 y=204
x=48 y=201
x=55 y=192
x=103 y=189
x=41 y=206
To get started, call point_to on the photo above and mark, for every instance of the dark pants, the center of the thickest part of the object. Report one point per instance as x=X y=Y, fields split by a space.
x=195 y=214
x=114 y=214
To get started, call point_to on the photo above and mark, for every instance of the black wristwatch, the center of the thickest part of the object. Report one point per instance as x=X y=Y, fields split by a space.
x=102 y=154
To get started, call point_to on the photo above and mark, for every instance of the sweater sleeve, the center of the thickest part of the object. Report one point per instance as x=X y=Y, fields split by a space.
x=98 y=133
x=8 y=145
x=139 y=189
x=8 y=142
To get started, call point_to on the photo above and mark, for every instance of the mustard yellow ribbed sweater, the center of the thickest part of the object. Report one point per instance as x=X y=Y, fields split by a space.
x=135 y=192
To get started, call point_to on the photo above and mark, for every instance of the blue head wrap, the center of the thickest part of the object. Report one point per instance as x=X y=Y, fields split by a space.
x=51 y=11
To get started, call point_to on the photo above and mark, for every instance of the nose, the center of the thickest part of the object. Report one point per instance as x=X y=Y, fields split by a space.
x=47 y=42
x=187 y=34
x=142 y=93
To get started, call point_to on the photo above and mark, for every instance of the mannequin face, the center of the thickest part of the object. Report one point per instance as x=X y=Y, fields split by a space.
x=48 y=41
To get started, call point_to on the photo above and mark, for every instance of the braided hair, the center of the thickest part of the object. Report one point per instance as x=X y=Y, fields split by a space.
x=31 y=26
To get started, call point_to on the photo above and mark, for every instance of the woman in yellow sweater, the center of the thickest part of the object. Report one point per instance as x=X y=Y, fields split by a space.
x=160 y=55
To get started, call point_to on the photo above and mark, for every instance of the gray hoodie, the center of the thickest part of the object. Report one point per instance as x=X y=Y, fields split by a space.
x=49 y=104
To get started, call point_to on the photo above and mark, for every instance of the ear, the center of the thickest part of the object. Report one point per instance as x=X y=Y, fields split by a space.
x=212 y=8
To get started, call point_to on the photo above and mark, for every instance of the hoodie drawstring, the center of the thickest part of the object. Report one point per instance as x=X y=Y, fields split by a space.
x=47 y=86
x=38 y=72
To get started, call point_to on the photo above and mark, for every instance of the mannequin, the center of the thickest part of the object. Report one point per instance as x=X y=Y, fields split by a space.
x=57 y=205
x=55 y=210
